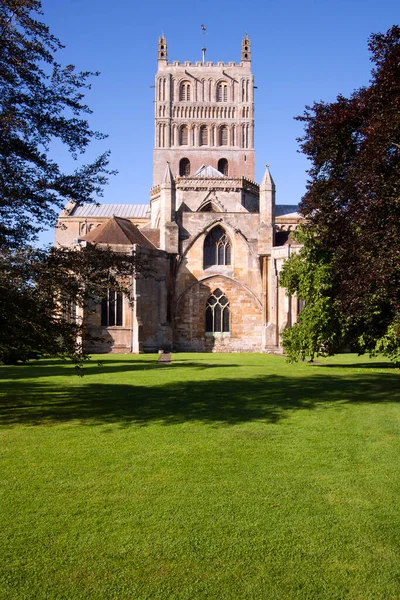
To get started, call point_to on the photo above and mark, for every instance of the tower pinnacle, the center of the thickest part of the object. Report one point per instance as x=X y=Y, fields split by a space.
x=246 y=51
x=162 y=48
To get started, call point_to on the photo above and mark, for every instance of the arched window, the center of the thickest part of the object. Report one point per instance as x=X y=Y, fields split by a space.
x=222 y=92
x=183 y=135
x=184 y=167
x=184 y=91
x=217 y=248
x=223 y=166
x=223 y=136
x=203 y=136
x=217 y=313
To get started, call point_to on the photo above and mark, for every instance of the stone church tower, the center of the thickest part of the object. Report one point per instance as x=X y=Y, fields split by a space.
x=204 y=114
x=215 y=239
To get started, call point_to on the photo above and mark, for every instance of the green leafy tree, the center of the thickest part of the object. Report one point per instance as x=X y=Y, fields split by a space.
x=352 y=206
x=43 y=290
x=42 y=101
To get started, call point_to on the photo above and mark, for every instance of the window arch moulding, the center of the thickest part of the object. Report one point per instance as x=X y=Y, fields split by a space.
x=217 y=248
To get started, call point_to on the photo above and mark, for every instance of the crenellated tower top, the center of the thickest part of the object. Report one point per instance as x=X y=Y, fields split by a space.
x=204 y=115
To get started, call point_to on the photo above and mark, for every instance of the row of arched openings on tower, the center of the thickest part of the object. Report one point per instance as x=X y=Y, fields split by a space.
x=184 y=167
x=222 y=136
x=185 y=92
x=224 y=92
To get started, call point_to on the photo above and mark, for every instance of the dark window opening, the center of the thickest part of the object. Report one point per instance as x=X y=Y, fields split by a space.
x=209 y=207
x=183 y=135
x=69 y=310
x=217 y=313
x=111 y=309
x=184 y=167
x=203 y=136
x=223 y=136
x=223 y=166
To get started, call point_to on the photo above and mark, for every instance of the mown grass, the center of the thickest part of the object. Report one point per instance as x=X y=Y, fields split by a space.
x=219 y=476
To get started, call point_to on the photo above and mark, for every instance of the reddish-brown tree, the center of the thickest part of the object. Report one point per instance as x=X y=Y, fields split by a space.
x=352 y=205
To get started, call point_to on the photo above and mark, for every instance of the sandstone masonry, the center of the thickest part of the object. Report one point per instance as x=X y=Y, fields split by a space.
x=215 y=239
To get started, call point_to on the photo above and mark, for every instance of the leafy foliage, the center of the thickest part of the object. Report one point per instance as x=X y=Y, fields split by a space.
x=38 y=287
x=42 y=102
x=309 y=275
x=352 y=207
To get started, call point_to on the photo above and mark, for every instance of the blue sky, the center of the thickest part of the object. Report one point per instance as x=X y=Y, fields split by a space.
x=302 y=51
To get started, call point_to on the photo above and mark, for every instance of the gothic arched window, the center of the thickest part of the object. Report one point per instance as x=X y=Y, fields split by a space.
x=217 y=313
x=223 y=166
x=183 y=135
x=184 y=167
x=184 y=91
x=217 y=248
x=223 y=136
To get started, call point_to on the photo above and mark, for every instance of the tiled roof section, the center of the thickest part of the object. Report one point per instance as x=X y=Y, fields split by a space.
x=208 y=171
x=153 y=235
x=118 y=231
x=287 y=210
x=138 y=211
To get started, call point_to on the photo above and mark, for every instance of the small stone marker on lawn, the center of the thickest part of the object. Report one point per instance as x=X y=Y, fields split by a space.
x=164 y=357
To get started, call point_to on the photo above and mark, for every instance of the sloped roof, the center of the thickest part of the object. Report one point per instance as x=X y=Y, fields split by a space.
x=208 y=171
x=152 y=234
x=117 y=231
x=287 y=210
x=139 y=211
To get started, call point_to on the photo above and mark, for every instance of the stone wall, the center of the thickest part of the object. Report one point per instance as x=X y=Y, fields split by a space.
x=245 y=319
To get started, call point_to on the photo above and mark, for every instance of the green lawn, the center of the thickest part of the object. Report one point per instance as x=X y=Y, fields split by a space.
x=219 y=476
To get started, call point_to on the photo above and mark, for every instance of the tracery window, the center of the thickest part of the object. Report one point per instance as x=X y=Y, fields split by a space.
x=184 y=91
x=222 y=92
x=69 y=310
x=184 y=167
x=217 y=248
x=183 y=135
x=217 y=313
x=111 y=309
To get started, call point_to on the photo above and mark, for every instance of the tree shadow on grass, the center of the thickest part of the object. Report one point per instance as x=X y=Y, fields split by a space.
x=113 y=363
x=221 y=401
x=370 y=365
x=59 y=368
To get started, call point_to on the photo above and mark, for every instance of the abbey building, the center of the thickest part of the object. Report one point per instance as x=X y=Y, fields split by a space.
x=215 y=239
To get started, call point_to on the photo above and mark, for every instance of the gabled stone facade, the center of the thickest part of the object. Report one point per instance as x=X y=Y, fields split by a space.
x=215 y=239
